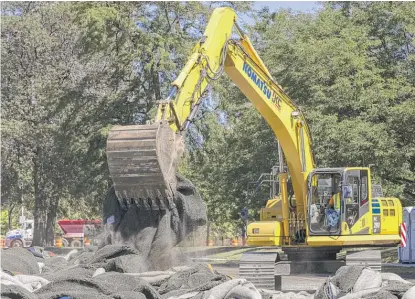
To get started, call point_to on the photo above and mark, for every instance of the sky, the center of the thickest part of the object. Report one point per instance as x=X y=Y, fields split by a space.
x=303 y=6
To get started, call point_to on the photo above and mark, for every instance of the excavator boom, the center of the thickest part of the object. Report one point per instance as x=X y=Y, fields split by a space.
x=143 y=159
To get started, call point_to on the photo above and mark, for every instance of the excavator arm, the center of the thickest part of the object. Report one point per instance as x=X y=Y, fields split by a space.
x=143 y=159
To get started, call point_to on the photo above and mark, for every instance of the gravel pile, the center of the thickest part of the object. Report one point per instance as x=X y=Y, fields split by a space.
x=19 y=261
x=114 y=271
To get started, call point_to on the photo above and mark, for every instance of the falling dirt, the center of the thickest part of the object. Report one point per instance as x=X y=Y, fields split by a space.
x=154 y=228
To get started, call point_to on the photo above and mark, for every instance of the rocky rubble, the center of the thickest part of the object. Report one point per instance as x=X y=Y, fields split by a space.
x=353 y=282
x=115 y=271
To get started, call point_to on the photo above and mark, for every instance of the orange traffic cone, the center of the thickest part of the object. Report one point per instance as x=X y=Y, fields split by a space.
x=210 y=243
x=2 y=243
x=58 y=242
x=234 y=242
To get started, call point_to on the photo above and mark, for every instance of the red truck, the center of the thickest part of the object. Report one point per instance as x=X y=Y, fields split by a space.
x=77 y=233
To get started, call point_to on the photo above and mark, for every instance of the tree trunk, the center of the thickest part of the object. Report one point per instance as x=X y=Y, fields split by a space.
x=9 y=217
x=40 y=211
x=50 y=222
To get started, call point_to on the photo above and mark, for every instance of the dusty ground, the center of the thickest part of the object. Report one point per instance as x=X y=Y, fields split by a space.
x=289 y=283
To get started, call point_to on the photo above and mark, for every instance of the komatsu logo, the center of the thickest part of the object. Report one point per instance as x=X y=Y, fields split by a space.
x=255 y=78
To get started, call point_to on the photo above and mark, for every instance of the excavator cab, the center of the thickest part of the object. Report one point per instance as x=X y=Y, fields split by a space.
x=340 y=203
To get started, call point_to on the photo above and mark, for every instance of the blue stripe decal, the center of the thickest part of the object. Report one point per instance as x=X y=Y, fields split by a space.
x=376 y=211
x=375 y=203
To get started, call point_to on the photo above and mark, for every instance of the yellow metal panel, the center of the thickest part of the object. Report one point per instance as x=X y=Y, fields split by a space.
x=272 y=202
x=391 y=215
x=264 y=233
x=354 y=240
x=272 y=211
x=364 y=223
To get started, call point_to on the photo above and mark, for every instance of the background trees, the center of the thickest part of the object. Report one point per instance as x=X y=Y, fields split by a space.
x=72 y=70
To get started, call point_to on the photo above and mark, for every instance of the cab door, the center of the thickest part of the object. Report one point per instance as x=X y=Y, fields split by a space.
x=355 y=200
x=324 y=202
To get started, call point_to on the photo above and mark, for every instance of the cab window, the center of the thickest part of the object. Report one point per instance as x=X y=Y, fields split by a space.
x=353 y=187
x=364 y=188
x=324 y=202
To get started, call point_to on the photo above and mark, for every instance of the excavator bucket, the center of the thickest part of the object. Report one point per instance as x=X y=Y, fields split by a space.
x=143 y=160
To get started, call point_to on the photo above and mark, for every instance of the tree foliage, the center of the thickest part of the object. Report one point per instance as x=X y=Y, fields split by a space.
x=69 y=72
x=351 y=69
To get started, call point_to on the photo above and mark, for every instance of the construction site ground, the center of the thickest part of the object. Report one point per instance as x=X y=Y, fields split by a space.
x=115 y=271
x=225 y=259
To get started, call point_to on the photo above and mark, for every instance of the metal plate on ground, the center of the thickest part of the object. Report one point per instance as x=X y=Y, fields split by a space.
x=369 y=258
x=259 y=268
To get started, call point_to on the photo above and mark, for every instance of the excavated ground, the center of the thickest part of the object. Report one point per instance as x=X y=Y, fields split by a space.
x=115 y=271
x=138 y=259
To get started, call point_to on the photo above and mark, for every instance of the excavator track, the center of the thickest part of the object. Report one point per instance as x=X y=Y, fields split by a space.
x=143 y=159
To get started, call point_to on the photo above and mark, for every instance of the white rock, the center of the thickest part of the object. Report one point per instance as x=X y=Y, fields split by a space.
x=7 y=279
x=244 y=291
x=367 y=280
x=70 y=253
x=393 y=277
x=239 y=286
x=98 y=271
x=361 y=294
x=184 y=296
x=410 y=294
x=41 y=266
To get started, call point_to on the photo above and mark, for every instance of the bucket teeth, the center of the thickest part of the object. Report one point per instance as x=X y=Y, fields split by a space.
x=154 y=206
x=157 y=204
x=145 y=204
x=162 y=205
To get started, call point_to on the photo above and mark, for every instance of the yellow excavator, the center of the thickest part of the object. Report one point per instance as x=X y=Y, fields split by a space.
x=334 y=207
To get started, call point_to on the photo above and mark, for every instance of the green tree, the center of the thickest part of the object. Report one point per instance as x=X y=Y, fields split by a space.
x=69 y=72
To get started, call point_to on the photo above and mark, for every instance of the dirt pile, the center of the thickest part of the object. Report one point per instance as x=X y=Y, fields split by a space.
x=116 y=271
x=106 y=274
x=154 y=227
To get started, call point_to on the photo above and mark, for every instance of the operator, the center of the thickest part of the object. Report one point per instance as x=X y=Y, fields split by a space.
x=333 y=213
x=334 y=202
